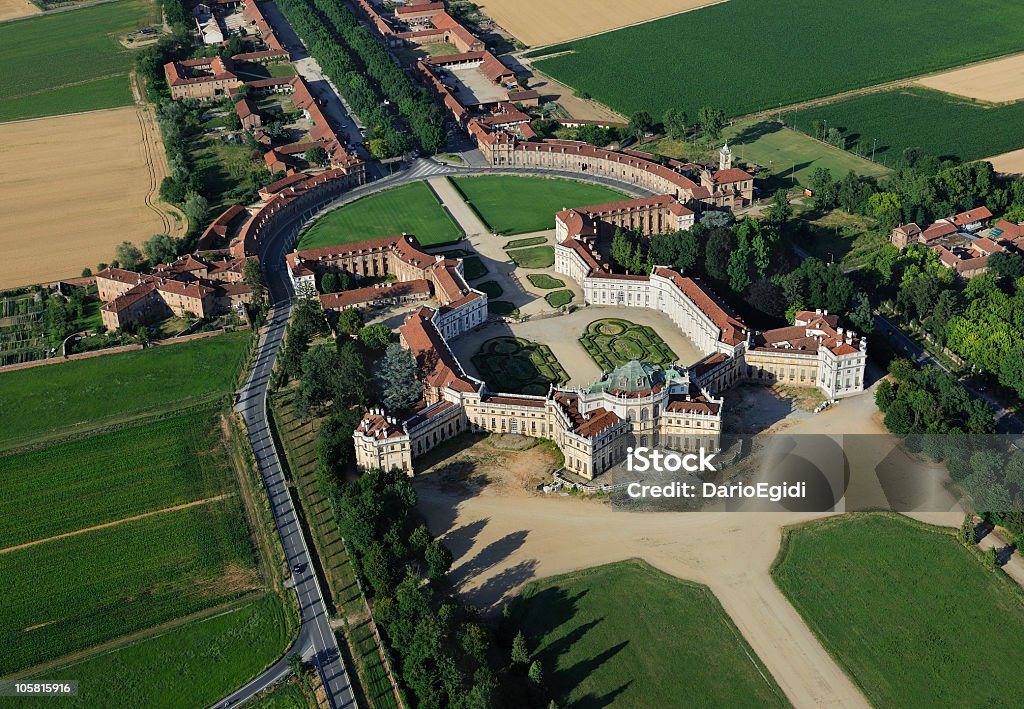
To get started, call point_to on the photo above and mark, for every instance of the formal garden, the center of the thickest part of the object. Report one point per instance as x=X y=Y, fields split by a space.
x=518 y=366
x=611 y=342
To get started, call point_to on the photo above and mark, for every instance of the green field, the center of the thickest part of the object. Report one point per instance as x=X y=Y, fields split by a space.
x=744 y=56
x=189 y=667
x=839 y=236
x=938 y=123
x=793 y=156
x=519 y=205
x=517 y=366
x=628 y=635
x=922 y=621
x=44 y=401
x=69 y=594
x=111 y=476
x=612 y=342
x=528 y=241
x=410 y=209
x=68 y=61
x=533 y=257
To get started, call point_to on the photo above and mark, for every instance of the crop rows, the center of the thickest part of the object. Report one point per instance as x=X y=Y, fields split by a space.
x=937 y=123
x=110 y=476
x=66 y=595
x=733 y=56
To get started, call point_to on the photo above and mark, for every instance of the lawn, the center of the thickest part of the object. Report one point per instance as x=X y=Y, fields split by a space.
x=502 y=307
x=793 y=156
x=529 y=241
x=68 y=61
x=112 y=476
x=517 y=366
x=410 y=209
x=923 y=622
x=612 y=342
x=83 y=394
x=839 y=236
x=224 y=167
x=191 y=666
x=68 y=594
x=543 y=280
x=473 y=268
x=936 y=122
x=837 y=46
x=558 y=298
x=533 y=257
x=519 y=205
x=628 y=635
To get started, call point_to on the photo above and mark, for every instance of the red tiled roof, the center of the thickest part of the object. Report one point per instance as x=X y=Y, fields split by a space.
x=733 y=330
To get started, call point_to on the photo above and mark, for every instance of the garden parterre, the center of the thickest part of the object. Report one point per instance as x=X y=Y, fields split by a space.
x=611 y=342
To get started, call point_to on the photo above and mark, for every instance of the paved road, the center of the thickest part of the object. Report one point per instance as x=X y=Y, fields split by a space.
x=316 y=641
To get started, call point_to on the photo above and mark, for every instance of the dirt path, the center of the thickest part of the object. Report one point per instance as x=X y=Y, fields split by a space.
x=105 y=525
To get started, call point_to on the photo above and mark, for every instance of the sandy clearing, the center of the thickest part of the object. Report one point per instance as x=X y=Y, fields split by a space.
x=174 y=508
x=75 y=186
x=16 y=8
x=541 y=22
x=997 y=81
x=503 y=538
x=1011 y=163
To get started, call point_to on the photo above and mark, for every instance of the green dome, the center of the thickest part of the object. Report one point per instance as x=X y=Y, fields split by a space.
x=634 y=376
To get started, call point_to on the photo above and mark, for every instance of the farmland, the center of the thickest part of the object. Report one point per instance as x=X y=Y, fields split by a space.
x=16 y=8
x=115 y=475
x=911 y=592
x=57 y=221
x=793 y=156
x=411 y=209
x=938 y=123
x=519 y=205
x=749 y=69
x=79 y=67
x=92 y=587
x=81 y=395
x=665 y=642
x=211 y=658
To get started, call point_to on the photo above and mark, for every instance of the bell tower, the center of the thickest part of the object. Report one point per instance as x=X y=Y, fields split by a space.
x=725 y=157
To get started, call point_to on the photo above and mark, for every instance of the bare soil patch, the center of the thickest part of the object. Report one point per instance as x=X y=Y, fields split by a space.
x=16 y=8
x=1011 y=163
x=539 y=22
x=74 y=187
x=997 y=81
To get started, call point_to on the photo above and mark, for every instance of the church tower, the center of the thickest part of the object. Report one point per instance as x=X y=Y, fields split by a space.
x=725 y=158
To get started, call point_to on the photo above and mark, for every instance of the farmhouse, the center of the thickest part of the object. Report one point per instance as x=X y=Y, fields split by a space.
x=962 y=242
x=188 y=286
x=203 y=78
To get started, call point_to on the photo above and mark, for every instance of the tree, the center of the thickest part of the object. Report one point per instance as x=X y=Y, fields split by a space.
x=719 y=245
x=1006 y=265
x=886 y=208
x=862 y=316
x=320 y=367
x=329 y=282
x=160 y=248
x=352 y=380
x=349 y=322
x=780 y=210
x=992 y=559
x=766 y=297
x=86 y=272
x=128 y=255
x=252 y=276
x=676 y=123
x=520 y=653
x=196 y=207
x=622 y=249
x=395 y=377
x=420 y=538
x=316 y=156
x=966 y=535
x=640 y=124
x=536 y=673
x=823 y=187
x=376 y=337
x=380 y=569
x=296 y=663
x=438 y=558
x=711 y=121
